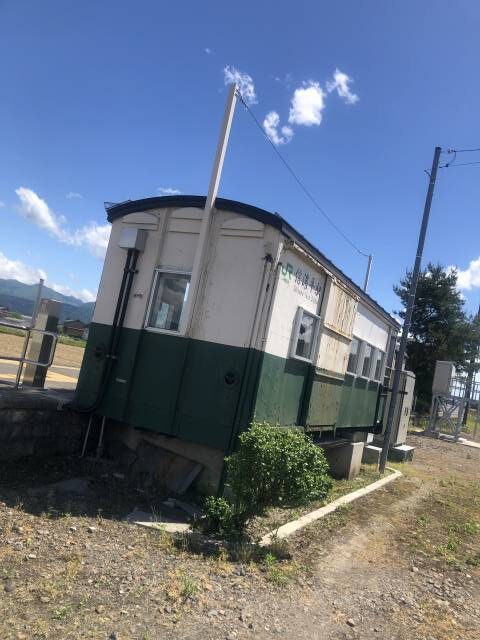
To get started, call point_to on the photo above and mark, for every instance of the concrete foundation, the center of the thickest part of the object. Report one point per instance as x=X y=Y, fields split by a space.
x=33 y=423
x=345 y=459
x=371 y=455
x=163 y=458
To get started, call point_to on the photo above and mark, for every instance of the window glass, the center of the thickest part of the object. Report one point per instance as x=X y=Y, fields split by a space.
x=305 y=336
x=379 y=364
x=168 y=300
x=353 y=357
x=367 y=360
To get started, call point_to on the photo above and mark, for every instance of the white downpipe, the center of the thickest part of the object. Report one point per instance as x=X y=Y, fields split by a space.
x=198 y=262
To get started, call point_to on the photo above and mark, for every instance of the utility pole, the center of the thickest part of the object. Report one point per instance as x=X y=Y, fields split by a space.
x=367 y=275
x=409 y=311
x=470 y=379
x=209 y=204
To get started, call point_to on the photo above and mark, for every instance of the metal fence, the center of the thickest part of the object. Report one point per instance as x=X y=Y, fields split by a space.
x=23 y=359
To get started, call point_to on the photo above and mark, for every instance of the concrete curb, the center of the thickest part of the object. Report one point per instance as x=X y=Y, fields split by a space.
x=287 y=529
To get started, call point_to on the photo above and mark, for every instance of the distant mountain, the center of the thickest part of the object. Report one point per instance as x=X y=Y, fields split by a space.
x=21 y=297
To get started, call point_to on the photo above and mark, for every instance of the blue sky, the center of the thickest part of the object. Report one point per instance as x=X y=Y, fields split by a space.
x=115 y=100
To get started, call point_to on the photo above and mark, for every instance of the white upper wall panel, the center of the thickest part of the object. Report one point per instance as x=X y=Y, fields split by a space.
x=235 y=265
x=300 y=284
x=370 y=328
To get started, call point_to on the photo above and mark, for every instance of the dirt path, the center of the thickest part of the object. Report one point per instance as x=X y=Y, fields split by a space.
x=402 y=563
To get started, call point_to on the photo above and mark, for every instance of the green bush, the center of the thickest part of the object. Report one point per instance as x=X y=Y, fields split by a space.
x=219 y=515
x=272 y=467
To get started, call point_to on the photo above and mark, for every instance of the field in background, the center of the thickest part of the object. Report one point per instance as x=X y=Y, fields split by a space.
x=67 y=355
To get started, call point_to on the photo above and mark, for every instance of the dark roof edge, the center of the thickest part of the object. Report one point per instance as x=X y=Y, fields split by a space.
x=115 y=211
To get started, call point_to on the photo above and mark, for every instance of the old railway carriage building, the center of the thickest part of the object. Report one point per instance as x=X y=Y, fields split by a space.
x=277 y=332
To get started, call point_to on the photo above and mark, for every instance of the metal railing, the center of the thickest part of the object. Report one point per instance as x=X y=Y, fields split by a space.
x=23 y=360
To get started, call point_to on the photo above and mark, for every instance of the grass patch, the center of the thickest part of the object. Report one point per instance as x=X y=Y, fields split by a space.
x=67 y=340
x=276 y=517
x=448 y=528
x=12 y=332
x=72 y=342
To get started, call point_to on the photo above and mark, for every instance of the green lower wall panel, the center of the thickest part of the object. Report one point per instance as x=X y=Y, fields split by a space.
x=281 y=390
x=206 y=392
x=176 y=386
x=358 y=402
x=325 y=401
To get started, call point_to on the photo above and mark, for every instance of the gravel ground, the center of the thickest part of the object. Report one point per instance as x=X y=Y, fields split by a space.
x=402 y=563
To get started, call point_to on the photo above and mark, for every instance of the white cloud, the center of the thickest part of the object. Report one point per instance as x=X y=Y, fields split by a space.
x=85 y=295
x=16 y=270
x=74 y=195
x=168 y=191
x=271 y=128
x=36 y=210
x=340 y=83
x=243 y=81
x=470 y=277
x=93 y=236
x=208 y=51
x=308 y=102
x=2 y=204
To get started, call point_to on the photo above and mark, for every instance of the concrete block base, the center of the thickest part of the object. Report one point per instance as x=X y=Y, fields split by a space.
x=401 y=453
x=371 y=455
x=345 y=460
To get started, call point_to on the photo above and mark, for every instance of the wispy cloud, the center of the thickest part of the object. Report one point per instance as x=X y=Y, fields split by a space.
x=278 y=135
x=93 y=236
x=340 y=83
x=307 y=105
x=74 y=195
x=17 y=270
x=243 y=81
x=468 y=278
x=168 y=191
x=36 y=210
x=85 y=295
x=2 y=204
x=208 y=51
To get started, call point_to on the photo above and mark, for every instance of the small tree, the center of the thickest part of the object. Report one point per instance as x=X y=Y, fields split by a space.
x=273 y=466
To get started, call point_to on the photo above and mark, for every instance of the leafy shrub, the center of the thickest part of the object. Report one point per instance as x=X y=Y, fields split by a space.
x=272 y=467
x=219 y=515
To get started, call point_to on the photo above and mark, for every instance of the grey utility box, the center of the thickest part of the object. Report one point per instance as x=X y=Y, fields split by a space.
x=442 y=378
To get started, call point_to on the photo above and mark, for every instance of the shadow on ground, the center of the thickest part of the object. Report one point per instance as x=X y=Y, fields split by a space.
x=61 y=486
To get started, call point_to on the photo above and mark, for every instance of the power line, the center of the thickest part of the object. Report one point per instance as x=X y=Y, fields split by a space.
x=460 y=164
x=306 y=191
x=461 y=150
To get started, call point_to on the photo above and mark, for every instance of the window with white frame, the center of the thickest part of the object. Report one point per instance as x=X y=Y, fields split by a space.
x=367 y=360
x=353 y=356
x=167 y=302
x=379 y=358
x=304 y=335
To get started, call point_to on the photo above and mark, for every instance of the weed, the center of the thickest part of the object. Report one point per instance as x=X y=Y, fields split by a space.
x=423 y=520
x=188 y=588
x=277 y=574
x=62 y=612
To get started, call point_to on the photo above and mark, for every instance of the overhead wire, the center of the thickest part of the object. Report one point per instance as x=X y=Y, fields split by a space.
x=306 y=191
x=460 y=164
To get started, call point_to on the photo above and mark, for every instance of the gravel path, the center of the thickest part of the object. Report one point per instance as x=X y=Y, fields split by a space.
x=403 y=563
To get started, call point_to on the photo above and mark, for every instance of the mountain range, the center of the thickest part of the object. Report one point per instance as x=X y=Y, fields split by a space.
x=21 y=297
